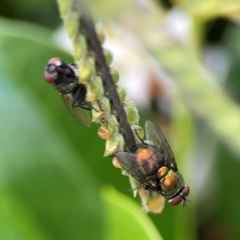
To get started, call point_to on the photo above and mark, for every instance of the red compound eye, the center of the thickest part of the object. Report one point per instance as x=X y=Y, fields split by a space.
x=51 y=66
x=176 y=200
x=49 y=78
x=181 y=197
x=186 y=190
x=55 y=59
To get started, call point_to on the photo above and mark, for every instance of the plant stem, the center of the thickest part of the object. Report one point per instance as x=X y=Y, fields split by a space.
x=87 y=24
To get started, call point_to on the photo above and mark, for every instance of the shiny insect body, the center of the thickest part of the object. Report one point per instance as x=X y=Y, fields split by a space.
x=64 y=77
x=154 y=166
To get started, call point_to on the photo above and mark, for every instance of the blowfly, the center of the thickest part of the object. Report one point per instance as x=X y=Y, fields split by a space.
x=154 y=166
x=65 y=77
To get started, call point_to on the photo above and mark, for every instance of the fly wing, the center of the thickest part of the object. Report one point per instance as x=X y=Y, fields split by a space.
x=129 y=163
x=155 y=135
x=80 y=114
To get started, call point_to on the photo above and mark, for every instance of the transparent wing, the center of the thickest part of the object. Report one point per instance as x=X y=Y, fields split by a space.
x=80 y=114
x=129 y=163
x=155 y=135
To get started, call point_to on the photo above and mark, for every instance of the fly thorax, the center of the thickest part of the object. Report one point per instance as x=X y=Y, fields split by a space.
x=66 y=87
x=171 y=182
x=143 y=154
x=146 y=161
x=162 y=172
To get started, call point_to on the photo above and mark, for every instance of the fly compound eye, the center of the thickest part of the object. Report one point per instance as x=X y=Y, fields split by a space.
x=49 y=77
x=176 y=200
x=50 y=73
x=181 y=197
x=54 y=60
x=52 y=69
x=186 y=191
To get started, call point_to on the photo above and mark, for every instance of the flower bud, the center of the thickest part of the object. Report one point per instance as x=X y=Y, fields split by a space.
x=94 y=90
x=113 y=144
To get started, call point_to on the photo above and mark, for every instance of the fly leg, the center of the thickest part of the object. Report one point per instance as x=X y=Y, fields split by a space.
x=141 y=139
x=79 y=99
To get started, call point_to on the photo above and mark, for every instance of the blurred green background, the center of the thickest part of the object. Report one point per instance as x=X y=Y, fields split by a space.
x=54 y=181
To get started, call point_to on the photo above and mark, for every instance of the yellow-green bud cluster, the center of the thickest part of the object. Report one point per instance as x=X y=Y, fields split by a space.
x=102 y=111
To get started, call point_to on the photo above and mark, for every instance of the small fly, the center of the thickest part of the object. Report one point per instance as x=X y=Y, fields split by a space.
x=154 y=166
x=64 y=77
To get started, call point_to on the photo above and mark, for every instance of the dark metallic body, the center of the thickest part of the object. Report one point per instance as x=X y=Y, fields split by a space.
x=154 y=165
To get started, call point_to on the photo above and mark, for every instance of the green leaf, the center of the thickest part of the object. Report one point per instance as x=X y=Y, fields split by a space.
x=16 y=221
x=125 y=219
x=48 y=167
x=42 y=178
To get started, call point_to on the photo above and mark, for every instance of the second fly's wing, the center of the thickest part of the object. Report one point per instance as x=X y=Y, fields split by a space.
x=129 y=163
x=155 y=135
x=80 y=114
